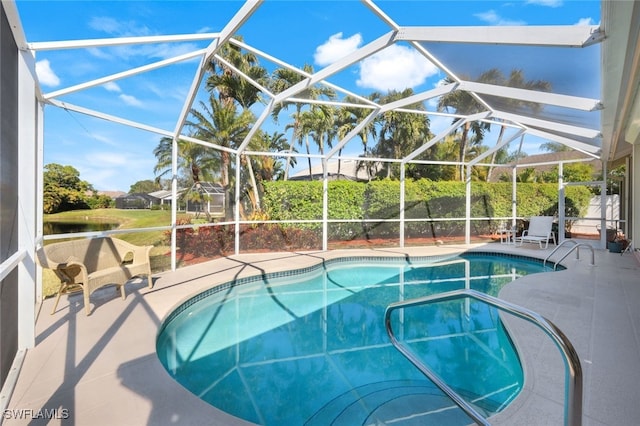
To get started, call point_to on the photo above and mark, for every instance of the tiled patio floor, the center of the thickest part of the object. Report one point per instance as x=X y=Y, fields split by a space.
x=102 y=369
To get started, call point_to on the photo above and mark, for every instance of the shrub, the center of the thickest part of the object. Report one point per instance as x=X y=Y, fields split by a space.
x=214 y=241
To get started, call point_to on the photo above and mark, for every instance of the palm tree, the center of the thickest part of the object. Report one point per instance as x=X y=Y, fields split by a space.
x=464 y=103
x=271 y=167
x=284 y=78
x=516 y=79
x=348 y=117
x=554 y=147
x=400 y=132
x=230 y=85
x=445 y=150
x=318 y=122
x=194 y=160
x=221 y=124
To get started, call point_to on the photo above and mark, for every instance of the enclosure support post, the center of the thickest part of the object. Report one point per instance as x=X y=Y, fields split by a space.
x=514 y=195
x=467 y=227
x=402 y=198
x=635 y=194
x=561 y=204
x=325 y=205
x=236 y=213
x=174 y=200
x=603 y=207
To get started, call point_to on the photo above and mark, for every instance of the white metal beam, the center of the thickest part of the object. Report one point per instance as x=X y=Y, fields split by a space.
x=541 y=35
x=419 y=97
x=124 y=74
x=256 y=126
x=367 y=50
x=433 y=141
x=229 y=30
x=493 y=149
x=592 y=151
x=545 y=124
x=353 y=133
x=109 y=117
x=546 y=98
x=290 y=67
x=107 y=42
x=251 y=81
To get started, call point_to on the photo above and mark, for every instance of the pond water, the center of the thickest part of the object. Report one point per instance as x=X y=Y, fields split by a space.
x=50 y=228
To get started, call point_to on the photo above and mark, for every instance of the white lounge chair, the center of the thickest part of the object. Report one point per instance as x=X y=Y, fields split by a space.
x=539 y=231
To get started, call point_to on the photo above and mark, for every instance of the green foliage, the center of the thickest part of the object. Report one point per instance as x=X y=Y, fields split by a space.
x=99 y=201
x=63 y=189
x=289 y=200
x=144 y=187
x=424 y=199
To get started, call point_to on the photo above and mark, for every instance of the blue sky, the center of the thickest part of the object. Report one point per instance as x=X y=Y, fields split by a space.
x=113 y=157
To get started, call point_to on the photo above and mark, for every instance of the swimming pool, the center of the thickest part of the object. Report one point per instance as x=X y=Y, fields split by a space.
x=309 y=347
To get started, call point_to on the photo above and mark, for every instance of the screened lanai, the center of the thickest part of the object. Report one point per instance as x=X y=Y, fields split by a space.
x=519 y=86
x=516 y=87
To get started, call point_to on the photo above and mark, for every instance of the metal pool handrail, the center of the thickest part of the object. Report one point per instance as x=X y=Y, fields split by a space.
x=575 y=247
x=573 y=369
x=544 y=262
x=593 y=254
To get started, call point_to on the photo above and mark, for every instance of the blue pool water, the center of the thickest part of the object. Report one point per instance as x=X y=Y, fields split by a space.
x=309 y=347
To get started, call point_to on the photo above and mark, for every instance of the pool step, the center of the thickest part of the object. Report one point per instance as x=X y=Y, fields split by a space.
x=399 y=402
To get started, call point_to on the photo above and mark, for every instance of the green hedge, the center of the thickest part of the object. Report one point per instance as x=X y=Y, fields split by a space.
x=424 y=199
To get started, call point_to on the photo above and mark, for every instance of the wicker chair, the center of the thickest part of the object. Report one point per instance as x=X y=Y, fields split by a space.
x=93 y=263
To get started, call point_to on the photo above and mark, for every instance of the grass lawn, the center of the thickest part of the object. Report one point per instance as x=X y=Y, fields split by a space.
x=128 y=219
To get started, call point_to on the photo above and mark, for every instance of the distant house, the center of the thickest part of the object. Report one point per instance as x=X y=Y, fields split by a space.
x=136 y=201
x=205 y=197
x=348 y=171
x=544 y=163
x=165 y=196
x=112 y=194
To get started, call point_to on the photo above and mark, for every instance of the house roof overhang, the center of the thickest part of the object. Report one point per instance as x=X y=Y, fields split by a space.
x=620 y=78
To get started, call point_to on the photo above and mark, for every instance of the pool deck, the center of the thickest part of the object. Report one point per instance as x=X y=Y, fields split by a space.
x=102 y=369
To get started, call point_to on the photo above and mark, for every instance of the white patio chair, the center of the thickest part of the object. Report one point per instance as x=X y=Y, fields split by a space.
x=540 y=230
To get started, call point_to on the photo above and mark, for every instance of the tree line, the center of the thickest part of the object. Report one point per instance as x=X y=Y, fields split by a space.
x=226 y=117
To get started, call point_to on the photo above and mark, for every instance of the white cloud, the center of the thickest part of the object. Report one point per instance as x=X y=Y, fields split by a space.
x=492 y=18
x=159 y=51
x=112 y=87
x=120 y=28
x=438 y=123
x=99 y=53
x=104 y=139
x=130 y=100
x=547 y=3
x=395 y=68
x=586 y=21
x=46 y=75
x=104 y=170
x=336 y=48
x=106 y=159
